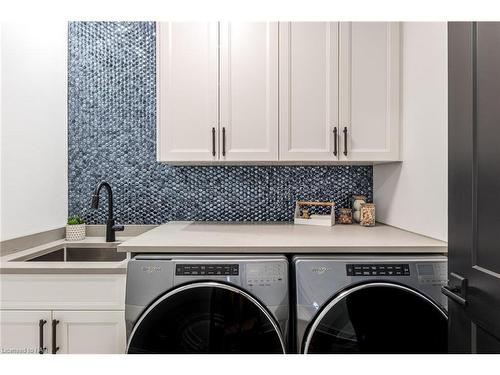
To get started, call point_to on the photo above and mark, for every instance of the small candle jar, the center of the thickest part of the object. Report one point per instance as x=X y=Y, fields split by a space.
x=357 y=201
x=345 y=216
x=367 y=215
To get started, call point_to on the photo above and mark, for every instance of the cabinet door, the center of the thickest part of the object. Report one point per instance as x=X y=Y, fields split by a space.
x=20 y=331
x=187 y=105
x=249 y=91
x=369 y=91
x=308 y=90
x=90 y=332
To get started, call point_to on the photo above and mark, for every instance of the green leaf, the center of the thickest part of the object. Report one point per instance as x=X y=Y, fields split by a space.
x=75 y=220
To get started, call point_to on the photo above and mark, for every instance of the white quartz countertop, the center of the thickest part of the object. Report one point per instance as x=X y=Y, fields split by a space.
x=207 y=237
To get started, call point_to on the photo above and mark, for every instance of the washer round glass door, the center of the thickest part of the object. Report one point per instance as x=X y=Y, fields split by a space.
x=206 y=317
x=378 y=318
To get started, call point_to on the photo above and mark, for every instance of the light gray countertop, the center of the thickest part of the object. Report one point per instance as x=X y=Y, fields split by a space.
x=216 y=237
x=212 y=237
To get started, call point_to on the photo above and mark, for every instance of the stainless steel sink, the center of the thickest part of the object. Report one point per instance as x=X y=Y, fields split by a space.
x=80 y=254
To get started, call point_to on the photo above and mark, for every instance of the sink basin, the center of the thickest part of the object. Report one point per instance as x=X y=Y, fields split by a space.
x=80 y=254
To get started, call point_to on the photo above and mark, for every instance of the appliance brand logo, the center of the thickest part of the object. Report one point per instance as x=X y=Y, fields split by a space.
x=151 y=269
x=320 y=270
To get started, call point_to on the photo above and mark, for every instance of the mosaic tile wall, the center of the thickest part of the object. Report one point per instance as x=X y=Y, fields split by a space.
x=112 y=137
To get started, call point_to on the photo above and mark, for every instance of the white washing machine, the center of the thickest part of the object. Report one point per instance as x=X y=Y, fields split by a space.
x=207 y=304
x=370 y=304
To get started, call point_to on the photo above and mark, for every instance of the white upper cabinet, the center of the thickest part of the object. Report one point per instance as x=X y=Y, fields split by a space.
x=309 y=56
x=267 y=92
x=369 y=91
x=248 y=91
x=187 y=94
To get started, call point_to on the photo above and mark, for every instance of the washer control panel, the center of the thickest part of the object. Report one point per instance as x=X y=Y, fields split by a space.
x=207 y=269
x=378 y=269
x=265 y=274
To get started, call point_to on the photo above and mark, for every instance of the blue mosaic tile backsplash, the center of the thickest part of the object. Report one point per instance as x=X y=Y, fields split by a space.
x=112 y=137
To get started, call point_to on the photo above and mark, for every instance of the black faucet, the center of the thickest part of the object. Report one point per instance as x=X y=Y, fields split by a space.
x=111 y=228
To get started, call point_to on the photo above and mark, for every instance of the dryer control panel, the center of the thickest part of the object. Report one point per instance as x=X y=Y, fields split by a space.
x=378 y=269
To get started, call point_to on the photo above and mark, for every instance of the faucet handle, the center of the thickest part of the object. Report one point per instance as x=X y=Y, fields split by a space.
x=118 y=228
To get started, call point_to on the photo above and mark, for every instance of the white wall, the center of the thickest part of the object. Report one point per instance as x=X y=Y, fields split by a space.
x=413 y=195
x=34 y=186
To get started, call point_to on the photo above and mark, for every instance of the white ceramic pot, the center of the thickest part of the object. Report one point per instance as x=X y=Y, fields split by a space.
x=75 y=232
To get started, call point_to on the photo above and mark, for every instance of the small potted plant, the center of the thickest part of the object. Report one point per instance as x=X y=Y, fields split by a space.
x=75 y=229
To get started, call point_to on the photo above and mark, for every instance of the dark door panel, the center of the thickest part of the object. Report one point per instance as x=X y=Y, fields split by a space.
x=486 y=342
x=460 y=147
x=474 y=183
x=485 y=273
x=487 y=145
x=459 y=330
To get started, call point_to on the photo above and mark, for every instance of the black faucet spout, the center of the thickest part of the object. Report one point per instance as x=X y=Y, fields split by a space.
x=111 y=228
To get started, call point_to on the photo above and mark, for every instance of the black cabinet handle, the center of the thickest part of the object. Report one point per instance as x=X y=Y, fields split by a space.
x=41 y=323
x=335 y=141
x=55 y=348
x=223 y=141
x=213 y=141
x=345 y=140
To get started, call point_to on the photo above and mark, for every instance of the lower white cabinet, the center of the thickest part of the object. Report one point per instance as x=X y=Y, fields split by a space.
x=96 y=332
x=62 y=313
x=62 y=332
x=25 y=332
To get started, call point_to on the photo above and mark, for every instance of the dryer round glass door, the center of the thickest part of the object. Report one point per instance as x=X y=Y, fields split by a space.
x=206 y=317
x=378 y=318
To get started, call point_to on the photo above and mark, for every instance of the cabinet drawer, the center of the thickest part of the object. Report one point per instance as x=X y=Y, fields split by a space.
x=63 y=292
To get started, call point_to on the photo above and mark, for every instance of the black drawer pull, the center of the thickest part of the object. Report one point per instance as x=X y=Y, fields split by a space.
x=41 y=323
x=55 y=348
x=213 y=141
x=335 y=141
x=345 y=140
x=223 y=141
